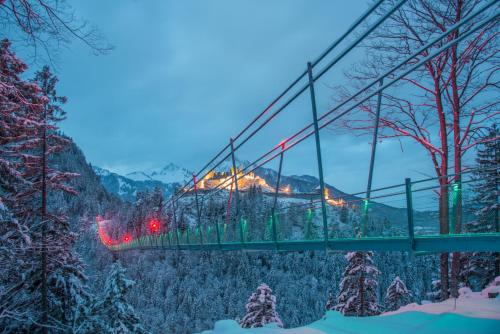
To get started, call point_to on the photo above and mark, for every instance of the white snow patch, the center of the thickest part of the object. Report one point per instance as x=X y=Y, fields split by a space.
x=101 y=171
x=123 y=187
x=470 y=304
x=169 y=174
x=473 y=312
x=139 y=176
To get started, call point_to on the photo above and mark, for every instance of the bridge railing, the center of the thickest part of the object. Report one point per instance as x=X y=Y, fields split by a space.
x=405 y=216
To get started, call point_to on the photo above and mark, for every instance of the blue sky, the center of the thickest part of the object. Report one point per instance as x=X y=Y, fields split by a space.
x=186 y=75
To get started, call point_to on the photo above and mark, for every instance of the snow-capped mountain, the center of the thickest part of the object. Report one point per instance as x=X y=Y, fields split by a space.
x=227 y=164
x=171 y=173
x=173 y=176
x=126 y=188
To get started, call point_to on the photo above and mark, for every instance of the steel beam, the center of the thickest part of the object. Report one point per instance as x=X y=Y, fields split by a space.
x=318 y=154
x=198 y=213
x=273 y=210
x=176 y=228
x=409 y=210
x=236 y=192
x=372 y=161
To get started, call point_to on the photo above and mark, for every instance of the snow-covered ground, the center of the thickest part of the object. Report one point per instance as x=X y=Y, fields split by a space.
x=472 y=312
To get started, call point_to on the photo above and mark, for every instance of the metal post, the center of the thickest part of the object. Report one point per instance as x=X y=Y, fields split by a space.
x=236 y=192
x=456 y=198
x=218 y=233
x=318 y=153
x=372 y=161
x=175 y=223
x=198 y=214
x=273 y=215
x=409 y=209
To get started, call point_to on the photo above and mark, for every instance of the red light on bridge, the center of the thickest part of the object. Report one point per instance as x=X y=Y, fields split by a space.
x=154 y=225
x=126 y=238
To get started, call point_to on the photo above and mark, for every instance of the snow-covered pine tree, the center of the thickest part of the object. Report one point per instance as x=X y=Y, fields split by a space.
x=435 y=292
x=14 y=243
x=397 y=295
x=57 y=286
x=19 y=106
x=358 y=288
x=330 y=302
x=261 y=309
x=480 y=268
x=115 y=313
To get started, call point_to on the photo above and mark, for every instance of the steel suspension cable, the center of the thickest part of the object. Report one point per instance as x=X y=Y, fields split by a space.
x=399 y=77
x=301 y=76
x=388 y=84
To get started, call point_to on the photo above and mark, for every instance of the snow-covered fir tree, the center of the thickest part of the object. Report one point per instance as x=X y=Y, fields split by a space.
x=358 y=288
x=330 y=302
x=261 y=309
x=14 y=245
x=61 y=298
x=435 y=292
x=115 y=313
x=397 y=295
x=53 y=292
x=479 y=268
x=18 y=106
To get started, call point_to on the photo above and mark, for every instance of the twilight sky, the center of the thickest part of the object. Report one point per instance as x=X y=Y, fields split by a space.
x=186 y=75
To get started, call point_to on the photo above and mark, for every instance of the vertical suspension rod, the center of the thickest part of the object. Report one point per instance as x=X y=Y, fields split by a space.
x=318 y=154
x=198 y=213
x=176 y=228
x=236 y=191
x=409 y=208
x=372 y=160
x=273 y=212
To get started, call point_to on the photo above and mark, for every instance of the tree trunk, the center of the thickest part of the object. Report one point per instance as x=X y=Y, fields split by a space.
x=362 y=293
x=457 y=148
x=45 y=307
x=444 y=229
x=457 y=201
x=497 y=227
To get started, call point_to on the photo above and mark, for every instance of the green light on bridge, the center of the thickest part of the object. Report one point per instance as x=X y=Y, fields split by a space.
x=365 y=205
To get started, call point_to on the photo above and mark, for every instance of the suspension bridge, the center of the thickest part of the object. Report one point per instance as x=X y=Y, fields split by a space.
x=414 y=228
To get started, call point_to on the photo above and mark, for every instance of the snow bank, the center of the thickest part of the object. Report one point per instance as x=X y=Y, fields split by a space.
x=473 y=304
x=405 y=322
x=232 y=327
x=472 y=312
x=470 y=304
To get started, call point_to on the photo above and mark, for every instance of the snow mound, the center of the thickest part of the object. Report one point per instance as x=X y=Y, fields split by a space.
x=469 y=304
x=472 y=312
x=406 y=322
x=232 y=327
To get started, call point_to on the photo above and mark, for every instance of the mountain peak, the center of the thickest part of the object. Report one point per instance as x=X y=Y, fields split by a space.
x=171 y=167
x=101 y=171
x=138 y=176
x=170 y=173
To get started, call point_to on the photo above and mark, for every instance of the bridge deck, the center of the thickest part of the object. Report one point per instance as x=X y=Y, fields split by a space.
x=488 y=242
